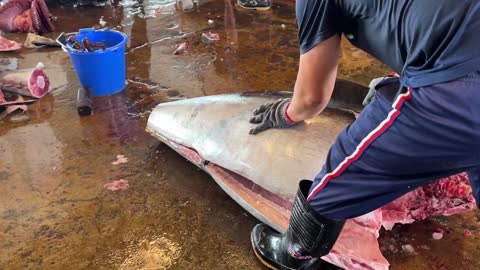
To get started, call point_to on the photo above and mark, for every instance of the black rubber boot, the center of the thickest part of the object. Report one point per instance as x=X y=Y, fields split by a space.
x=254 y=4
x=309 y=237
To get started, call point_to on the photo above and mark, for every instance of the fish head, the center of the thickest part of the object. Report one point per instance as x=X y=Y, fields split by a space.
x=26 y=16
x=9 y=12
x=42 y=19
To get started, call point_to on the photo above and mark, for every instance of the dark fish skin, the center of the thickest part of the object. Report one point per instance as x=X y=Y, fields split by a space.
x=346 y=95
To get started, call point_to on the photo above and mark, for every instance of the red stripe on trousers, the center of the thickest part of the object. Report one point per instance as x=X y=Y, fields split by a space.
x=363 y=144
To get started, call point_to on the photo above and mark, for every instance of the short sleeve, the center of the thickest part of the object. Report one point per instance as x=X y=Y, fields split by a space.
x=317 y=20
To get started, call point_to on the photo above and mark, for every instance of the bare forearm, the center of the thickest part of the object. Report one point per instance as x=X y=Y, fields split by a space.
x=303 y=109
x=315 y=80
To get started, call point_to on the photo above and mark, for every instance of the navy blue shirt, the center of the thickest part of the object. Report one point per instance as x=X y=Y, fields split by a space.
x=425 y=41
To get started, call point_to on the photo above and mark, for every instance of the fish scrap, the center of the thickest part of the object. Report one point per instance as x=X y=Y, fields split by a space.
x=8 y=107
x=7 y=45
x=210 y=37
x=117 y=185
x=28 y=82
x=121 y=159
x=181 y=49
x=437 y=235
x=35 y=41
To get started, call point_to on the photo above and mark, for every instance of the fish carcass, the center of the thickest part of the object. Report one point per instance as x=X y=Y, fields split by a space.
x=26 y=82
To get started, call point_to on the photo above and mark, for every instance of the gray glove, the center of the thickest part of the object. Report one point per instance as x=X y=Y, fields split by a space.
x=271 y=115
x=372 y=91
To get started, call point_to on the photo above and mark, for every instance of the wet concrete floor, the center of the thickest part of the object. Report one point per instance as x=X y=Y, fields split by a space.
x=54 y=210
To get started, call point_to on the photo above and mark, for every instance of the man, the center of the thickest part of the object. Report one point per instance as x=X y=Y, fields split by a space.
x=419 y=127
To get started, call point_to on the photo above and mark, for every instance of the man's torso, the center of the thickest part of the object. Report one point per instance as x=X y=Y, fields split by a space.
x=425 y=41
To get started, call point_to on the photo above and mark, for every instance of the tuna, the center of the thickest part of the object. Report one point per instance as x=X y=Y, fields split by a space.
x=27 y=82
x=261 y=172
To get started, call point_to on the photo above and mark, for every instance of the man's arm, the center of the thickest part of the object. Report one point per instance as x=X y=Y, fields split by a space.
x=315 y=80
x=313 y=89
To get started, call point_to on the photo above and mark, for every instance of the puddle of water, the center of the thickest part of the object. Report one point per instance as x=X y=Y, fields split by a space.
x=54 y=210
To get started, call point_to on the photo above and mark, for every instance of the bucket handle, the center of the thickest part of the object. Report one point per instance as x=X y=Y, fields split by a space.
x=62 y=40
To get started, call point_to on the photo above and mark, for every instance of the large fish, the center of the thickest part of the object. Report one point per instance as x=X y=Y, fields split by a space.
x=261 y=172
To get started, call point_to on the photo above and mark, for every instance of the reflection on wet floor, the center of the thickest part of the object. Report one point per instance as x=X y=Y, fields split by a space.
x=54 y=210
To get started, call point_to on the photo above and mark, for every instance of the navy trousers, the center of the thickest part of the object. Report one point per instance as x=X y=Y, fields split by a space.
x=405 y=138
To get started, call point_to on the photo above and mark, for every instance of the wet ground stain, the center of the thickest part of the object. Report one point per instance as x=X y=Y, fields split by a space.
x=54 y=210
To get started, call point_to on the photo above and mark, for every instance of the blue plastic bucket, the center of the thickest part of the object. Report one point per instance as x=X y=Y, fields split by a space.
x=103 y=71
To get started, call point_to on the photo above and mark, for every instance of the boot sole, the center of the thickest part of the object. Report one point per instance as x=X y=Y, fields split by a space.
x=260 y=257
x=253 y=8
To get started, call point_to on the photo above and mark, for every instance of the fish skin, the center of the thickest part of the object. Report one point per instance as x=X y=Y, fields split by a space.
x=34 y=41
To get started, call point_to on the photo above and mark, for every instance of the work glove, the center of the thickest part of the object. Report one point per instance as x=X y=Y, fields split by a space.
x=372 y=91
x=376 y=84
x=271 y=115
